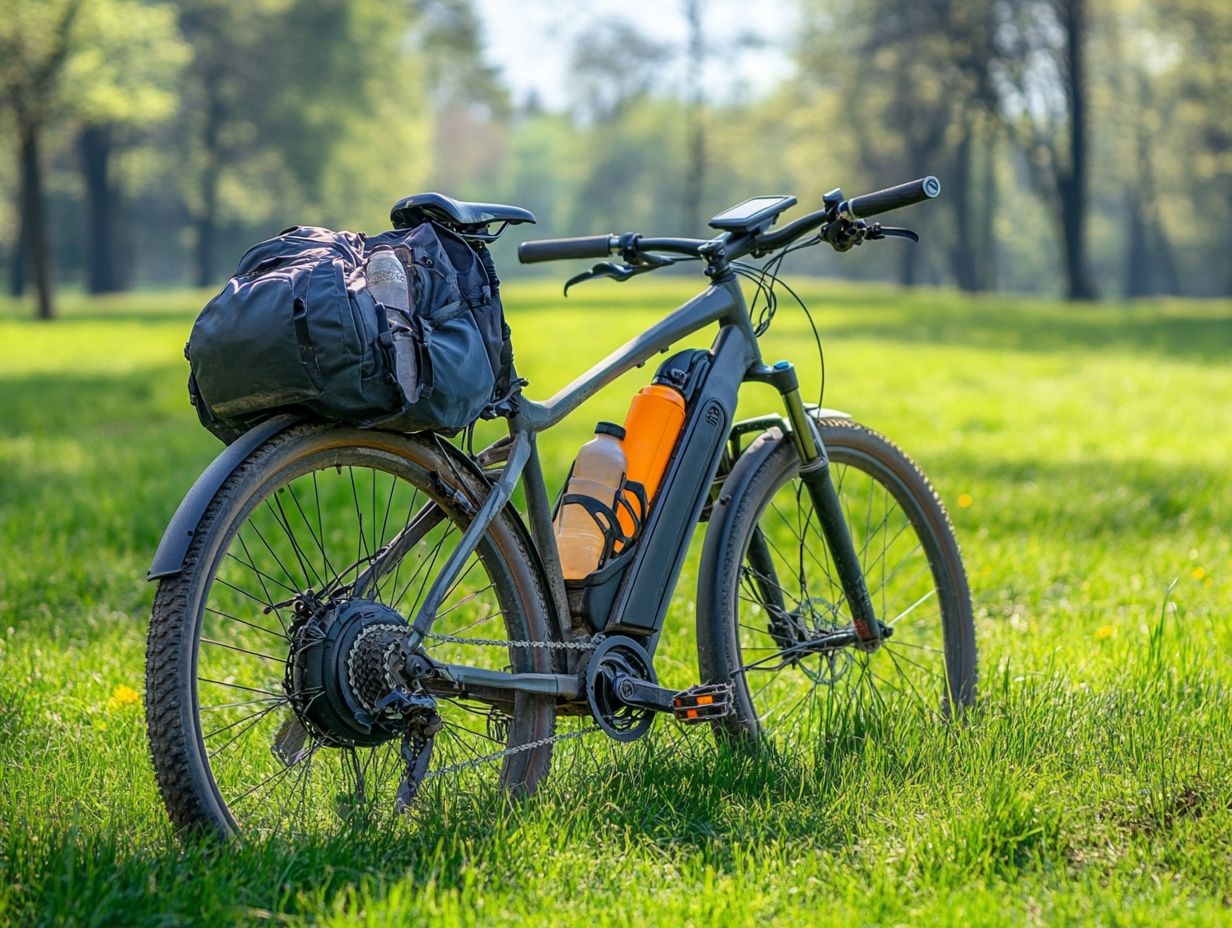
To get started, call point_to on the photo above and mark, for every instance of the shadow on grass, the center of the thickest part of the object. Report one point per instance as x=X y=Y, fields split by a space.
x=1201 y=334
x=672 y=791
x=78 y=405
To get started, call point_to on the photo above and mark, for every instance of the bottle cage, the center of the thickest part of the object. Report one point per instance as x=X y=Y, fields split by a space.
x=606 y=516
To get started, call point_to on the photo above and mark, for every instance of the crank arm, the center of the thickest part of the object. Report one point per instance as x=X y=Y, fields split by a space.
x=634 y=692
x=696 y=704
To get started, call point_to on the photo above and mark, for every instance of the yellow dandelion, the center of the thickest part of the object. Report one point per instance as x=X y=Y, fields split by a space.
x=1198 y=573
x=123 y=696
x=1104 y=631
x=965 y=501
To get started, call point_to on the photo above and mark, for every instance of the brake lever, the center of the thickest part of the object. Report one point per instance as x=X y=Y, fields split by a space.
x=844 y=234
x=620 y=272
x=878 y=231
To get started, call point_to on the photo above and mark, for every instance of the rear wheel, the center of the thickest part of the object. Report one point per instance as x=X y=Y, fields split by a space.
x=772 y=587
x=258 y=688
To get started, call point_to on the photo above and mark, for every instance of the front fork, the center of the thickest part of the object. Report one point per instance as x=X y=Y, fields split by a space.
x=815 y=472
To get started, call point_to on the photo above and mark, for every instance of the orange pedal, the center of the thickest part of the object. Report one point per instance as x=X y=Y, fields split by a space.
x=702 y=702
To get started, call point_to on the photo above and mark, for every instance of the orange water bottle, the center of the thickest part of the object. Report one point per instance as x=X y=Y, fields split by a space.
x=651 y=429
x=598 y=473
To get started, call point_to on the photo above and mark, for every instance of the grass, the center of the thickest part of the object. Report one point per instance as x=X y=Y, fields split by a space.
x=1082 y=454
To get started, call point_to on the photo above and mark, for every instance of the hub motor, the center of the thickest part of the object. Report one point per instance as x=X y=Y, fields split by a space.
x=337 y=674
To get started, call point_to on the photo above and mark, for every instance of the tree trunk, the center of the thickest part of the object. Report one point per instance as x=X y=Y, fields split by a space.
x=206 y=227
x=34 y=219
x=205 y=223
x=17 y=270
x=908 y=265
x=1073 y=181
x=103 y=273
x=1137 y=252
x=1150 y=261
x=963 y=260
x=1228 y=236
x=987 y=236
x=695 y=141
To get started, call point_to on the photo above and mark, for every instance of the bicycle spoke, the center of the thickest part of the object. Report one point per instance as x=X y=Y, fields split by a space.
x=273 y=758
x=773 y=606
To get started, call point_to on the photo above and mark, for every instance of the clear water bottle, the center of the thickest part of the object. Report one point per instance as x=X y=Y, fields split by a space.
x=598 y=472
x=387 y=283
x=387 y=279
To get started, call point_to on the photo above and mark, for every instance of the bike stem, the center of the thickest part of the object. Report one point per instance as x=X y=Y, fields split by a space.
x=815 y=472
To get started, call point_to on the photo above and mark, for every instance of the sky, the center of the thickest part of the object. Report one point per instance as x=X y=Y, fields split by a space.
x=530 y=40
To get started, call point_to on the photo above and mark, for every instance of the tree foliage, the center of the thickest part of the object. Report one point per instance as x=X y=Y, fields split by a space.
x=1083 y=145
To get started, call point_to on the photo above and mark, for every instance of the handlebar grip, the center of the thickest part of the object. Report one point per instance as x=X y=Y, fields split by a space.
x=556 y=249
x=882 y=201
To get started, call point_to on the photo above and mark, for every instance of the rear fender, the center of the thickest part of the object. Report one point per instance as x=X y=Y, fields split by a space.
x=169 y=558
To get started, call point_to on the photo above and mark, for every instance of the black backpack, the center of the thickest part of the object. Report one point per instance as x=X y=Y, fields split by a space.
x=296 y=329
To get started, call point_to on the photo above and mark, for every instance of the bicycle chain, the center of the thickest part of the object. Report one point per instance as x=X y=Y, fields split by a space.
x=508 y=752
x=584 y=644
x=588 y=644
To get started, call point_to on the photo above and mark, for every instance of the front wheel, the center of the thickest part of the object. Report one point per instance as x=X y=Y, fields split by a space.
x=770 y=592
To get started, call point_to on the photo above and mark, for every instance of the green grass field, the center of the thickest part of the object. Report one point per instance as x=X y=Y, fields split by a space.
x=1082 y=454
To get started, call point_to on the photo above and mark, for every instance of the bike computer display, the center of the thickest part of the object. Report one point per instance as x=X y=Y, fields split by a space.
x=754 y=213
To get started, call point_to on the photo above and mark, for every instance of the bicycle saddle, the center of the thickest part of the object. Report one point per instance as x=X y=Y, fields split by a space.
x=412 y=210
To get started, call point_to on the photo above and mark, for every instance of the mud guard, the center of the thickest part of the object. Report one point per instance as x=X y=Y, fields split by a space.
x=169 y=558
x=773 y=430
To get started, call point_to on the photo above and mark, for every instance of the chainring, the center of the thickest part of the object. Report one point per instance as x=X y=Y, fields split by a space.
x=618 y=655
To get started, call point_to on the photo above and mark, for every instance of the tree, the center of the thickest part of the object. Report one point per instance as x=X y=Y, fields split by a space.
x=622 y=142
x=1042 y=66
x=700 y=46
x=612 y=67
x=122 y=79
x=280 y=94
x=1195 y=38
x=36 y=38
x=920 y=72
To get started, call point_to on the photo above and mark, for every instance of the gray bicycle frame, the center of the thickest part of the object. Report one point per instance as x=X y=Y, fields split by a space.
x=735 y=351
x=652 y=573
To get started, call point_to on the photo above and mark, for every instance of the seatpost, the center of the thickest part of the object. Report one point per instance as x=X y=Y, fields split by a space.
x=815 y=472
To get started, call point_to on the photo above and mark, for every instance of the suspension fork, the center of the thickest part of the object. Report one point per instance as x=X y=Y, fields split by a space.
x=815 y=472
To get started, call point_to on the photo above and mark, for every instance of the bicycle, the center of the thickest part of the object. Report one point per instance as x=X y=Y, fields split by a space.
x=345 y=616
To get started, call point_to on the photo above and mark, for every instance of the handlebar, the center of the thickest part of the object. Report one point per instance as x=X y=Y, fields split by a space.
x=882 y=201
x=557 y=249
x=836 y=212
